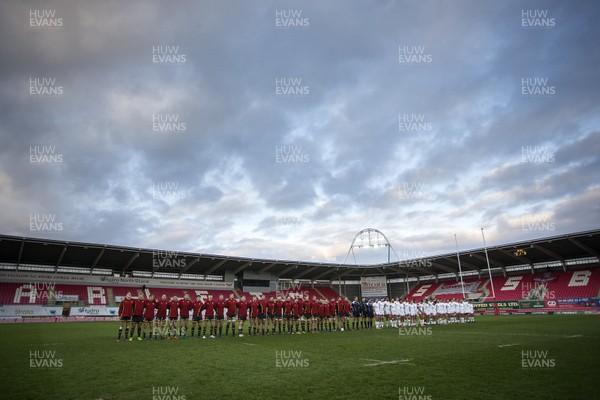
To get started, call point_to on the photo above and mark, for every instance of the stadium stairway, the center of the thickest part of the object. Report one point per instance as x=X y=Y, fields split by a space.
x=51 y=297
x=110 y=297
x=485 y=291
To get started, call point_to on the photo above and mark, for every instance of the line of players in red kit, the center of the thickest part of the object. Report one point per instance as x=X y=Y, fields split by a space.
x=166 y=319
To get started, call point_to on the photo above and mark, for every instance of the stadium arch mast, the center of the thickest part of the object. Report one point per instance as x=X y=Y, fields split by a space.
x=370 y=237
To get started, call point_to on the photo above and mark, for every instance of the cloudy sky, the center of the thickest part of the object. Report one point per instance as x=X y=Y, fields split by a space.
x=280 y=129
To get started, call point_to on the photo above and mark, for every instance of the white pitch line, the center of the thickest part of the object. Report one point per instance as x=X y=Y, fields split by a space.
x=375 y=363
x=572 y=336
x=508 y=345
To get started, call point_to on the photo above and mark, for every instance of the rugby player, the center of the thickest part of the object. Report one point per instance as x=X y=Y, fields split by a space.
x=327 y=315
x=270 y=321
x=394 y=305
x=451 y=310
x=339 y=314
x=378 y=309
x=401 y=313
x=414 y=313
x=297 y=315
x=333 y=313
x=125 y=313
x=209 y=314
x=314 y=314
x=173 y=308
x=242 y=307
x=185 y=306
x=161 y=316
x=262 y=314
x=346 y=308
x=288 y=315
x=386 y=312
x=303 y=312
x=254 y=312
x=231 y=304
x=149 y=305
x=220 y=315
x=470 y=312
x=197 y=321
x=137 y=318
x=278 y=314
x=321 y=315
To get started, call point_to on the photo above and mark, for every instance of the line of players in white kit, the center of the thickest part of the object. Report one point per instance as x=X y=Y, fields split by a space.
x=395 y=313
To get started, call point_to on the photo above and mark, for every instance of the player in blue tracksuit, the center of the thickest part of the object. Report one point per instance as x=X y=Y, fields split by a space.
x=364 y=321
x=369 y=313
x=356 y=313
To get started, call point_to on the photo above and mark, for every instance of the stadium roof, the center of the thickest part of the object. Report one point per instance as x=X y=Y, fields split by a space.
x=556 y=252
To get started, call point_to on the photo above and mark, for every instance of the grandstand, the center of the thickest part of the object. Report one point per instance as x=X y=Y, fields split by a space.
x=74 y=278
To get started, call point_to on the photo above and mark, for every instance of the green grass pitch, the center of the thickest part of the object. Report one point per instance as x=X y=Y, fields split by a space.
x=483 y=360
